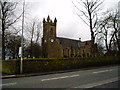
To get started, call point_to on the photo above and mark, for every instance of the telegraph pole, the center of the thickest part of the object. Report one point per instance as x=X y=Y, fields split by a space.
x=21 y=61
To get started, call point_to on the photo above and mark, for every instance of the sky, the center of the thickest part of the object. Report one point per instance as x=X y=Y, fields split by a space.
x=69 y=25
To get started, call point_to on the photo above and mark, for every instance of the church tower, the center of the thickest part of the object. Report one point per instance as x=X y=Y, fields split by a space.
x=49 y=36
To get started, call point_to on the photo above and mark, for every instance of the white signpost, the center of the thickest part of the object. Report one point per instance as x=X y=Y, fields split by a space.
x=20 y=50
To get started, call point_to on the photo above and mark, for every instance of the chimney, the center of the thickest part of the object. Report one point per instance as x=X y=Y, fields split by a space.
x=79 y=39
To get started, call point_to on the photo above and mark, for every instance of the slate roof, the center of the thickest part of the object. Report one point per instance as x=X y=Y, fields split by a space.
x=69 y=42
x=72 y=42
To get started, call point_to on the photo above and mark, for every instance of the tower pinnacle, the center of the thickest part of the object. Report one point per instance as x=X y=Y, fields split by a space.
x=55 y=20
x=43 y=20
x=48 y=18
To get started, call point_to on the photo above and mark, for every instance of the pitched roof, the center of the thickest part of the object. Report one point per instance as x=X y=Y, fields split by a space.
x=72 y=42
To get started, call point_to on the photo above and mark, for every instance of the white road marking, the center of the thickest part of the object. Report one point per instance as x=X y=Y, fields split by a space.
x=103 y=71
x=98 y=83
x=8 y=84
x=8 y=76
x=59 y=77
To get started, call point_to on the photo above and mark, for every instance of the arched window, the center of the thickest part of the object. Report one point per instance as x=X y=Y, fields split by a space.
x=83 y=51
x=51 y=31
x=63 y=52
x=68 y=53
x=87 y=54
x=58 y=53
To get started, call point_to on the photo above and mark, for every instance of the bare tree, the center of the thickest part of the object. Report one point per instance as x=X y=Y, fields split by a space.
x=104 y=30
x=109 y=28
x=34 y=33
x=115 y=25
x=89 y=11
x=38 y=32
x=7 y=18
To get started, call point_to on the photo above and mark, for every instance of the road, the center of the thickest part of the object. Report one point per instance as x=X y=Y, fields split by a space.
x=77 y=79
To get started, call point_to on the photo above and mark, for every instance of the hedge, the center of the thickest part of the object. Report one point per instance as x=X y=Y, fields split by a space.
x=40 y=65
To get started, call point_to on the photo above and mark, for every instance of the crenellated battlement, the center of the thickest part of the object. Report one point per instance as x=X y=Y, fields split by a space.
x=49 y=21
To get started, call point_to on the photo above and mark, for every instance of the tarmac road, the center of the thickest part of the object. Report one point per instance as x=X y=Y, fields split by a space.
x=78 y=79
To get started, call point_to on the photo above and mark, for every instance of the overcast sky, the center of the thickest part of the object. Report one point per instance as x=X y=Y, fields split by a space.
x=69 y=25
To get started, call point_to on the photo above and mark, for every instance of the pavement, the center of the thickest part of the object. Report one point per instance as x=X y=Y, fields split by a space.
x=110 y=85
x=85 y=78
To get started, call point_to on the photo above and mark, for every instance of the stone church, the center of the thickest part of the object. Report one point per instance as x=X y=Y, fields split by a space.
x=58 y=47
